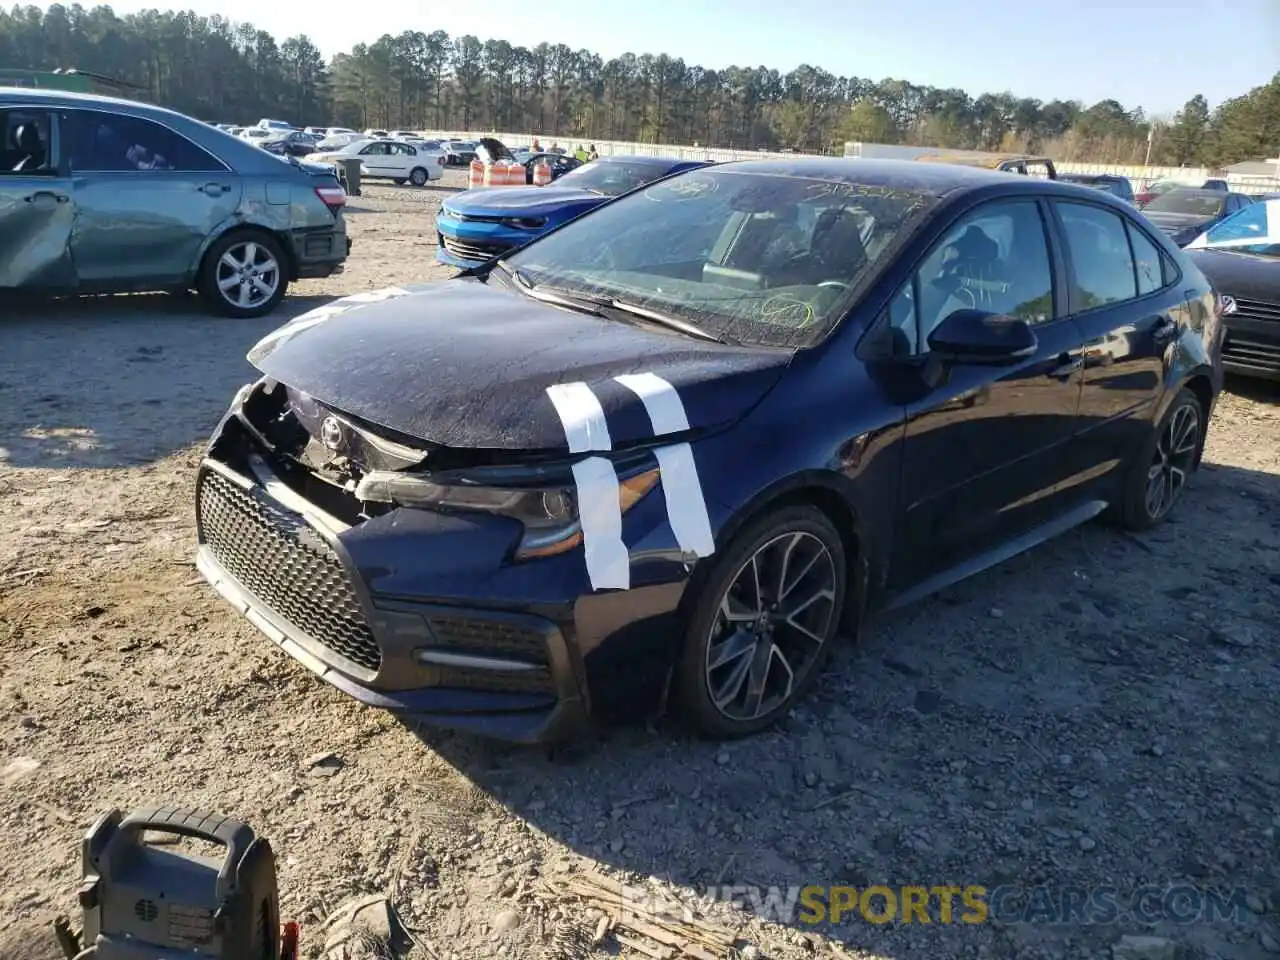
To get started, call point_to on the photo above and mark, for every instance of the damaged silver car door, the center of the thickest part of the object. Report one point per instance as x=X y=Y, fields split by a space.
x=37 y=209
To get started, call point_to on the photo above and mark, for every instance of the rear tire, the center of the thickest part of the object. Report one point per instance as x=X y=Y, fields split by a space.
x=763 y=622
x=1160 y=472
x=419 y=177
x=243 y=275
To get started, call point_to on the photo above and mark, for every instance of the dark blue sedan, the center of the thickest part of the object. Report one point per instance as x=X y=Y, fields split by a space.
x=690 y=440
x=479 y=225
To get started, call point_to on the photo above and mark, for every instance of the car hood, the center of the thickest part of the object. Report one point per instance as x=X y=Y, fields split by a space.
x=459 y=364
x=1240 y=274
x=508 y=200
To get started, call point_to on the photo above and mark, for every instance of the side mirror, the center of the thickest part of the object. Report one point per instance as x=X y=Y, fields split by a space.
x=978 y=337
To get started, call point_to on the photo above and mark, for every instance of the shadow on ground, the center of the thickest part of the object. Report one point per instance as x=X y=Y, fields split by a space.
x=120 y=381
x=1075 y=718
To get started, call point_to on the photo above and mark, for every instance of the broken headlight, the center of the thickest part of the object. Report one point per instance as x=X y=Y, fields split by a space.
x=549 y=514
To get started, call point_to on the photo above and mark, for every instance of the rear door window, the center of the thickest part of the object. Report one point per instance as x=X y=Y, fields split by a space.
x=1146 y=259
x=1101 y=260
x=97 y=141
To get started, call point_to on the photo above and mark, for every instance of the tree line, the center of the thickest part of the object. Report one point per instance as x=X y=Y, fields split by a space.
x=218 y=70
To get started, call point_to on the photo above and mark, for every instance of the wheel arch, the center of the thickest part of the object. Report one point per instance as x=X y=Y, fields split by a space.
x=248 y=227
x=1199 y=380
x=828 y=493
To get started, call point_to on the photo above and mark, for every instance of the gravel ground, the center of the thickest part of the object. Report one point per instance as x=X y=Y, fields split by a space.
x=1101 y=711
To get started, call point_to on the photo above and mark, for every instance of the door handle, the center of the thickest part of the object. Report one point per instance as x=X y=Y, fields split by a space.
x=1068 y=364
x=1164 y=330
x=39 y=194
x=214 y=188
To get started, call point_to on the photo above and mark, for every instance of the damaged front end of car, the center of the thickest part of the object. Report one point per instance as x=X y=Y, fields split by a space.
x=402 y=571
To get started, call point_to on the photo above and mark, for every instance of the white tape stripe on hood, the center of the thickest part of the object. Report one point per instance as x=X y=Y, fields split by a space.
x=686 y=506
x=585 y=426
x=599 y=506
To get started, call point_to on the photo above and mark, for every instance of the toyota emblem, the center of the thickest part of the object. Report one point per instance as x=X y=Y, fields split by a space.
x=331 y=434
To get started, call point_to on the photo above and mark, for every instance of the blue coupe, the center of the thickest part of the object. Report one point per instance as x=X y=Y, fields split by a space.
x=479 y=225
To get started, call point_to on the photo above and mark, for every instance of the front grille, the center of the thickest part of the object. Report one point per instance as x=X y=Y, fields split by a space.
x=1257 y=310
x=473 y=250
x=1243 y=351
x=494 y=638
x=286 y=564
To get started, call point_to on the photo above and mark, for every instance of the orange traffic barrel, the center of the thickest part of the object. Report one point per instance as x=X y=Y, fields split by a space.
x=475 y=177
x=541 y=173
x=504 y=175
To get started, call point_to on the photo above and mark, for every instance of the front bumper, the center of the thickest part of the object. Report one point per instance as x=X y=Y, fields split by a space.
x=473 y=249
x=516 y=662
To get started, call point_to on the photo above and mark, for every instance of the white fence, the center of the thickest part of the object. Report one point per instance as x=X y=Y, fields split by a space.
x=1138 y=175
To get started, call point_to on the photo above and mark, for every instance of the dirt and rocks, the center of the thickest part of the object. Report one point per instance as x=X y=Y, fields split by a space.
x=1099 y=713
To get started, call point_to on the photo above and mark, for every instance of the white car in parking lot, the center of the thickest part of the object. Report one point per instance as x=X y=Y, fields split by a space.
x=389 y=160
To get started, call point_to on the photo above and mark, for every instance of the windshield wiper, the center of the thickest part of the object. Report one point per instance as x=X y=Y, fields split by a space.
x=653 y=316
x=597 y=305
x=537 y=291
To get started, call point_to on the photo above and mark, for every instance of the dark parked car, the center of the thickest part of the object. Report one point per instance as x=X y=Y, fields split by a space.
x=480 y=224
x=459 y=153
x=293 y=144
x=1117 y=186
x=1159 y=187
x=1241 y=258
x=697 y=433
x=1185 y=213
x=109 y=196
x=559 y=164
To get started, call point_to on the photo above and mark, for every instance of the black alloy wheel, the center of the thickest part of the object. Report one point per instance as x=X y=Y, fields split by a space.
x=1159 y=475
x=763 y=622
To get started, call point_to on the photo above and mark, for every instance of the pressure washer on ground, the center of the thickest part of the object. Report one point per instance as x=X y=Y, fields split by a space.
x=141 y=901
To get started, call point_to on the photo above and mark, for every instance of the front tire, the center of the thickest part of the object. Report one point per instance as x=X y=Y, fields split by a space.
x=418 y=177
x=762 y=623
x=243 y=275
x=1166 y=462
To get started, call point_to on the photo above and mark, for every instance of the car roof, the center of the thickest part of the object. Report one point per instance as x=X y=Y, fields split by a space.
x=70 y=98
x=1199 y=192
x=930 y=179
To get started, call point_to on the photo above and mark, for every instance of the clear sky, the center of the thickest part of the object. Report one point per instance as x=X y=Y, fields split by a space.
x=1150 y=53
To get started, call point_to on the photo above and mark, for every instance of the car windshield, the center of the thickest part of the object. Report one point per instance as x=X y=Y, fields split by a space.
x=1255 y=230
x=609 y=178
x=747 y=257
x=1194 y=202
